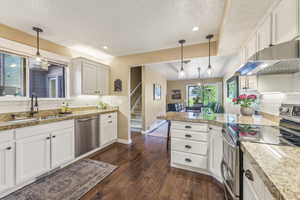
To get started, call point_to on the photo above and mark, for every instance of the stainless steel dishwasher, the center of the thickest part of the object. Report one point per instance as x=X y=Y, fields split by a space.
x=86 y=135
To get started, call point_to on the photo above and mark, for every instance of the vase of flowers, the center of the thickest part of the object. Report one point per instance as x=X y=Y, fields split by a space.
x=245 y=102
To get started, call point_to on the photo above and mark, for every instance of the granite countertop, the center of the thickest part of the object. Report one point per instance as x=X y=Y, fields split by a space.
x=278 y=166
x=217 y=119
x=7 y=125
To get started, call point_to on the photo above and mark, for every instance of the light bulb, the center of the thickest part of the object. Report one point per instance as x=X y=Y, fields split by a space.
x=199 y=84
x=38 y=58
x=209 y=71
x=181 y=73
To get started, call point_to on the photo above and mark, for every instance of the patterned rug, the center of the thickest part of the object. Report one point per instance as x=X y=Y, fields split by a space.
x=69 y=183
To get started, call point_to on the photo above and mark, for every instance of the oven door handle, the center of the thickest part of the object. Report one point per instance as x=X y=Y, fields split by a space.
x=223 y=166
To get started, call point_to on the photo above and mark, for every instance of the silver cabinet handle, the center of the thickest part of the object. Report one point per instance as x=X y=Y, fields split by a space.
x=188 y=135
x=9 y=148
x=188 y=127
x=188 y=146
x=249 y=175
x=187 y=160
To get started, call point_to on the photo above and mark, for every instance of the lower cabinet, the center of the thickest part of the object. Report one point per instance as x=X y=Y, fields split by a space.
x=253 y=186
x=62 y=147
x=49 y=147
x=32 y=157
x=215 y=151
x=7 y=165
x=108 y=128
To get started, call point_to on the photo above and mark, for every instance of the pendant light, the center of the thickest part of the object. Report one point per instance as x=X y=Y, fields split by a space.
x=39 y=61
x=181 y=72
x=209 y=69
x=199 y=77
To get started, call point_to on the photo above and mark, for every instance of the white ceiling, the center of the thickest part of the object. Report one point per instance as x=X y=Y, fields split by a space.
x=170 y=69
x=125 y=26
x=241 y=18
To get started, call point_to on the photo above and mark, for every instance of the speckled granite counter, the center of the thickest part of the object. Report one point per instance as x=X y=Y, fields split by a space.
x=217 y=119
x=278 y=166
x=75 y=115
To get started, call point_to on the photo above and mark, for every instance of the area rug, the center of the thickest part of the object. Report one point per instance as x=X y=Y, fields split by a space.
x=69 y=183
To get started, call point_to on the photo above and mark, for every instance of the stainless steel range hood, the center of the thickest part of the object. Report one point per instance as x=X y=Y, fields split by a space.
x=282 y=58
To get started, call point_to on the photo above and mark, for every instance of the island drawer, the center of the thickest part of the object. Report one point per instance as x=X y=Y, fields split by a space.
x=189 y=135
x=190 y=126
x=189 y=146
x=188 y=159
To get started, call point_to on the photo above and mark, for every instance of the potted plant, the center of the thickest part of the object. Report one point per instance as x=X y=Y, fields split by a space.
x=245 y=102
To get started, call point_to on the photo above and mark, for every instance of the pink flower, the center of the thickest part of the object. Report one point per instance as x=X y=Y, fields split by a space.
x=234 y=100
x=242 y=96
x=252 y=96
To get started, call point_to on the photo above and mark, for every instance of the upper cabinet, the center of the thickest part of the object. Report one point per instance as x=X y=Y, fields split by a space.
x=285 y=21
x=264 y=34
x=88 y=78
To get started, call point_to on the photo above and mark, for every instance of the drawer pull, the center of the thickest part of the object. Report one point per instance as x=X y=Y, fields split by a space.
x=188 y=127
x=47 y=138
x=110 y=122
x=109 y=116
x=249 y=175
x=187 y=146
x=53 y=136
x=8 y=148
x=187 y=160
x=188 y=135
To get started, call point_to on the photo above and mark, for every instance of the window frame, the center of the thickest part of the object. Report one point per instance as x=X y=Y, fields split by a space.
x=195 y=85
x=26 y=82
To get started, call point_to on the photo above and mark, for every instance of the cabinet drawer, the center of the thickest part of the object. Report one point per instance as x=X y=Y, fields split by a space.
x=188 y=159
x=189 y=146
x=189 y=135
x=190 y=126
x=6 y=136
x=108 y=118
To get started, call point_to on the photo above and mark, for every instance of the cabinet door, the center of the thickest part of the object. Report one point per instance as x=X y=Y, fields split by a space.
x=62 y=147
x=102 y=80
x=7 y=165
x=105 y=134
x=32 y=157
x=251 y=47
x=216 y=151
x=264 y=34
x=285 y=21
x=89 y=78
x=248 y=193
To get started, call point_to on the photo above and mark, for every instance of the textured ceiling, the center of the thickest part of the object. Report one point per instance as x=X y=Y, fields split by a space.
x=170 y=69
x=124 y=26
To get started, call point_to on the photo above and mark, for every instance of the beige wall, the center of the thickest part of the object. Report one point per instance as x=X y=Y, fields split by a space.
x=152 y=108
x=181 y=85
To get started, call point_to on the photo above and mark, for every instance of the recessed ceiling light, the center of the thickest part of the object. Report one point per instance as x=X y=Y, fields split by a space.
x=196 y=28
x=105 y=47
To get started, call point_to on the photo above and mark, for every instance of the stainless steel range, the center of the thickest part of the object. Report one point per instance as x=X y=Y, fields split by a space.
x=288 y=133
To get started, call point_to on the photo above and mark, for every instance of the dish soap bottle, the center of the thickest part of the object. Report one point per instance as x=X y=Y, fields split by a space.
x=63 y=107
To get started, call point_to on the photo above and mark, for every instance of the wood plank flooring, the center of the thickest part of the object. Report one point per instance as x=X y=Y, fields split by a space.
x=144 y=174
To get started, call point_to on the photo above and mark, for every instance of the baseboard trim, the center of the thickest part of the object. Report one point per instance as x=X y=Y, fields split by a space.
x=156 y=126
x=124 y=141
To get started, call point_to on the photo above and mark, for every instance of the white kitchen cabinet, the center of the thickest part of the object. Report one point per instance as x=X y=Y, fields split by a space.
x=88 y=78
x=62 y=146
x=32 y=157
x=103 y=80
x=285 y=21
x=264 y=34
x=253 y=186
x=215 y=151
x=7 y=166
x=108 y=128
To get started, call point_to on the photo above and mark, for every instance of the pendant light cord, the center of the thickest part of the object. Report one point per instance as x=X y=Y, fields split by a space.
x=209 y=52
x=38 y=43
x=181 y=57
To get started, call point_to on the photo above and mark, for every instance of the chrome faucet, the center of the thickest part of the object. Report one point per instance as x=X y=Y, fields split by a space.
x=34 y=108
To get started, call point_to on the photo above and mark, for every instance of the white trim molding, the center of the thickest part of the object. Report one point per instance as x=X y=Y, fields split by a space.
x=124 y=141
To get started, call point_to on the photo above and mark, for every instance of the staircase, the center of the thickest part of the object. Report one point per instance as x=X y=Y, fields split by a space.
x=136 y=109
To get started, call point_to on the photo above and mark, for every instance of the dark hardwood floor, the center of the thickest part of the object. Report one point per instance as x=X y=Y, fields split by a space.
x=144 y=174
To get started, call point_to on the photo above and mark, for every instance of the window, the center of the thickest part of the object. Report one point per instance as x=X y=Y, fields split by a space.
x=202 y=95
x=47 y=83
x=12 y=75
